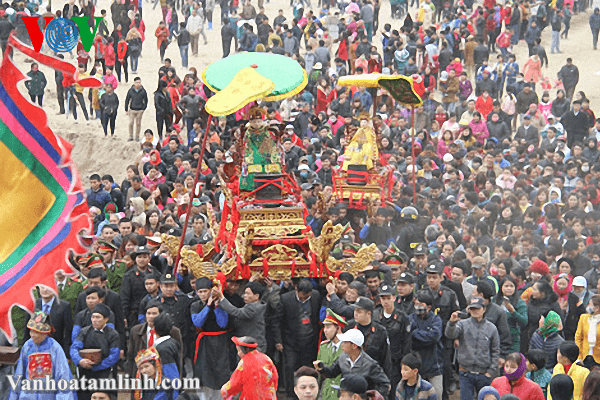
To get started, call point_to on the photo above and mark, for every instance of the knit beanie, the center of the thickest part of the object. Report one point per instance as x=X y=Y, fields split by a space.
x=540 y=267
x=488 y=390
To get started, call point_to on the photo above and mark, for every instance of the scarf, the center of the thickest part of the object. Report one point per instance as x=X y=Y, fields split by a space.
x=551 y=324
x=593 y=322
x=580 y=296
x=520 y=371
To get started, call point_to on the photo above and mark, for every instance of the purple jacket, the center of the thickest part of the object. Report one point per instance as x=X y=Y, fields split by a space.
x=465 y=88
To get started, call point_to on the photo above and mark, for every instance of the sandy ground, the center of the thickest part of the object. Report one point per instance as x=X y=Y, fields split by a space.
x=93 y=153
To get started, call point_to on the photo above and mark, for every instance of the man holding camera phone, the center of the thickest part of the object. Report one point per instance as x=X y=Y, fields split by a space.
x=478 y=348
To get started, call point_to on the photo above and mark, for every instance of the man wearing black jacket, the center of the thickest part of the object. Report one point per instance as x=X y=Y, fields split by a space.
x=397 y=326
x=575 y=123
x=183 y=41
x=227 y=35
x=481 y=53
x=97 y=277
x=135 y=105
x=6 y=28
x=58 y=76
x=376 y=338
x=405 y=286
x=298 y=320
x=177 y=306
x=445 y=302
x=325 y=173
x=113 y=189
x=133 y=288
x=569 y=76
x=374 y=231
x=60 y=317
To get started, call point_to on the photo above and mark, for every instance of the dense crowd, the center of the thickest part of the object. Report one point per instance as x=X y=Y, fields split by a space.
x=485 y=286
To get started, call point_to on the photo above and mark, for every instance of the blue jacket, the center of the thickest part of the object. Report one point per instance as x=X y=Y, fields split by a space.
x=549 y=345
x=98 y=198
x=426 y=340
x=424 y=390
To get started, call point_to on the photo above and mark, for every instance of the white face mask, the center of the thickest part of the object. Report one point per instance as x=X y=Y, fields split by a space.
x=589 y=309
x=585 y=168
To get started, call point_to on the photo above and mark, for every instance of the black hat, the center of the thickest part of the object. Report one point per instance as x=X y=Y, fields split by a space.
x=364 y=303
x=354 y=384
x=407 y=278
x=434 y=269
x=203 y=283
x=140 y=250
x=476 y=302
x=420 y=250
x=151 y=275
x=385 y=290
x=174 y=232
x=168 y=278
x=102 y=309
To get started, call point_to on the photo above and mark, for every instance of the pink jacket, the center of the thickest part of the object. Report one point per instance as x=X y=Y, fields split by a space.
x=480 y=130
x=532 y=70
x=112 y=80
x=545 y=109
x=442 y=148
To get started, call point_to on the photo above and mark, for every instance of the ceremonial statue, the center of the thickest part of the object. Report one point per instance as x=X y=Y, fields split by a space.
x=263 y=153
x=362 y=149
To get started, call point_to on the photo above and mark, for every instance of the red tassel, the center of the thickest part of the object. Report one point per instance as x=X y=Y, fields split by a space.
x=239 y=269
x=265 y=267
x=293 y=271
x=222 y=279
x=312 y=272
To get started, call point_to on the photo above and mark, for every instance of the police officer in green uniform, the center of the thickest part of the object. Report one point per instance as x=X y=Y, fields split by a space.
x=68 y=288
x=115 y=269
x=93 y=260
x=330 y=350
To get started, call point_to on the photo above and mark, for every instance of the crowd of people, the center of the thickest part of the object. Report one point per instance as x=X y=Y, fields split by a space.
x=485 y=286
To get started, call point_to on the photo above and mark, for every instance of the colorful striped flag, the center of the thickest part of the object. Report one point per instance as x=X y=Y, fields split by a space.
x=42 y=203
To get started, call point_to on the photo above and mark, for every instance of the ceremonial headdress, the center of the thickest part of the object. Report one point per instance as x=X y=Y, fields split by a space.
x=40 y=323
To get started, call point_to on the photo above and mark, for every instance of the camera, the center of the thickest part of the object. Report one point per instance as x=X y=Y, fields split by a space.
x=463 y=315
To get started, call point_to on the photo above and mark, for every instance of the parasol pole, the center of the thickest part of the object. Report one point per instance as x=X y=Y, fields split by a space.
x=194 y=194
x=412 y=118
x=375 y=103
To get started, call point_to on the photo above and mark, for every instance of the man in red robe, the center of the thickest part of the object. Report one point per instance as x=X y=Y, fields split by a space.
x=255 y=376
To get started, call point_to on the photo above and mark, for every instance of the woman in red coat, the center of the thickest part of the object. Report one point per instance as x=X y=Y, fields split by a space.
x=109 y=54
x=322 y=95
x=484 y=104
x=122 y=58
x=514 y=380
x=162 y=35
